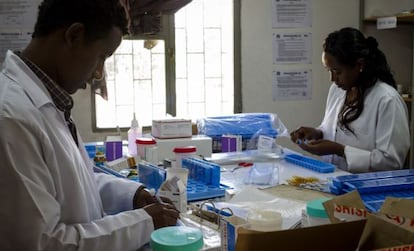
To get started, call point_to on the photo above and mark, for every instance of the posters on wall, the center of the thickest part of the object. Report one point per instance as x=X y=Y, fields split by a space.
x=292 y=85
x=17 y=18
x=291 y=13
x=291 y=48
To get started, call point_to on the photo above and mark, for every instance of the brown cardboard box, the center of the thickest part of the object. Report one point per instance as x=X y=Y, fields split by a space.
x=375 y=232
x=380 y=233
x=337 y=237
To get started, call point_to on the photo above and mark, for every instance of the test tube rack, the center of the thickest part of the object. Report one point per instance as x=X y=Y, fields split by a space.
x=310 y=163
x=203 y=178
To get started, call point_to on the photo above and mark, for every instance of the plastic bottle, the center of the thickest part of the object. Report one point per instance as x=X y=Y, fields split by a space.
x=133 y=133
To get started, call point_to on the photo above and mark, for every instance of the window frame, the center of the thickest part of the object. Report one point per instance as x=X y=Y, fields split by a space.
x=168 y=35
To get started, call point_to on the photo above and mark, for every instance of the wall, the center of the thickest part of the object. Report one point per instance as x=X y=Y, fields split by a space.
x=257 y=64
x=257 y=67
x=397 y=44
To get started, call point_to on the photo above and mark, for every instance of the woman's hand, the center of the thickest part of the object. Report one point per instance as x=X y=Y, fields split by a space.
x=304 y=134
x=323 y=147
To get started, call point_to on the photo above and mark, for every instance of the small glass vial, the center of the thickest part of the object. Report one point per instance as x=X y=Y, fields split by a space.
x=183 y=152
x=143 y=144
x=99 y=159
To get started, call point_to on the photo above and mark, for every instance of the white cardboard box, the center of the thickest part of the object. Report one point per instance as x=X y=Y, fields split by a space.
x=178 y=197
x=166 y=146
x=171 y=128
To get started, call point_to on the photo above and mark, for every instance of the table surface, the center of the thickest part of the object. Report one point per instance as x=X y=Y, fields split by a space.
x=234 y=178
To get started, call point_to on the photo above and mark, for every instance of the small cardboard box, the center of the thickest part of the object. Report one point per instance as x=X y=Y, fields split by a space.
x=231 y=143
x=229 y=227
x=171 y=128
x=113 y=147
x=175 y=190
x=165 y=147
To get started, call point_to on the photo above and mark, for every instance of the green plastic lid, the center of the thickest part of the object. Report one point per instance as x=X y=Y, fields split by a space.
x=177 y=238
x=315 y=208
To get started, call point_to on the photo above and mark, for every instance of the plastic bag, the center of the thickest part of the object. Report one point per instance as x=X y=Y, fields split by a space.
x=248 y=125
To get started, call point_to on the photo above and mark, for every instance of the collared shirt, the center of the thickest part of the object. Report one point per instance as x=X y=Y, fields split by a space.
x=381 y=140
x=60 y=97
x=55 y=190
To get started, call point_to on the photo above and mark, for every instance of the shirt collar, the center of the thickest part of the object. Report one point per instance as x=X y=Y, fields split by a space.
x=62 y=99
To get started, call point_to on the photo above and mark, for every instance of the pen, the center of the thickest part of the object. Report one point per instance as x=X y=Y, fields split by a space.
x=158 y=199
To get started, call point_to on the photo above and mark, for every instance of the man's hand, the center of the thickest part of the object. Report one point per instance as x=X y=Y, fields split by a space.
x=163 y=215
x=143 y=197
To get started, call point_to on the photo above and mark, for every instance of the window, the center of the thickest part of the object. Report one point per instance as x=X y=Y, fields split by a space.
x=189 y=70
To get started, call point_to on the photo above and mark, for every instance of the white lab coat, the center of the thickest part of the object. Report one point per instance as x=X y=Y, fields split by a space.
x=382 y=137
x=50 y=197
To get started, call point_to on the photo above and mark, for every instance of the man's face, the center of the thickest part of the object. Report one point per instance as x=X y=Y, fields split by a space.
x=345 y=77
x=82 y=59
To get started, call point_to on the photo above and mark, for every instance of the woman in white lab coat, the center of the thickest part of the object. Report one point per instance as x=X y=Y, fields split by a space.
x=365 y=127
x=50 y=197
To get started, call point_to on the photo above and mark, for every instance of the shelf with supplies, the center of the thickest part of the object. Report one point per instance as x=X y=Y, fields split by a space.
x=404 y=17
x=407 y=99
x=395 y=39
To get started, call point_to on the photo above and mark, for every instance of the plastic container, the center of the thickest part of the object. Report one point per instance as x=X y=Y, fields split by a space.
x=143 y=144
x=264 y=220
x=177 y=238
x=183 y=152
x=133 y=133
x=316 y=212
x=181 y=173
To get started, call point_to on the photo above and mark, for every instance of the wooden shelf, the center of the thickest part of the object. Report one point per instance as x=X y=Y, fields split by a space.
x=401 y=18
x=408 y=100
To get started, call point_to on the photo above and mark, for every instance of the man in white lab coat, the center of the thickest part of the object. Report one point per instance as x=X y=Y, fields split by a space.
x=50 y=197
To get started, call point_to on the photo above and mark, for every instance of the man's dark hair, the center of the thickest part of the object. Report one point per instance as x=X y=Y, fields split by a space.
x=98 y=16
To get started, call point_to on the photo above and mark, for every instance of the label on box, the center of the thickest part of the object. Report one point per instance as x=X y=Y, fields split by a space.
x=231 y=143
x=345 y=213
x=175 y=190
x=113 y=148
x=229 y=227
x=174 y=128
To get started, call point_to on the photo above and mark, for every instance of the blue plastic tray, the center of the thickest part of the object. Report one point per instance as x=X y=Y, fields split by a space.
x=381 y=185
x=339 y=180
x=310 y=163
x=373 y=202
x=374 y=187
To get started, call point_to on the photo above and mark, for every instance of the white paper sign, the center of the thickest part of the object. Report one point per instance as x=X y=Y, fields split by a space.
x=292 y=85
x=386 y=23
x=291 y=13
x=292 y=48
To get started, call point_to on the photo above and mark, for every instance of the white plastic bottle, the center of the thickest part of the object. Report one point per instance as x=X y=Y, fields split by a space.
x=133 y=133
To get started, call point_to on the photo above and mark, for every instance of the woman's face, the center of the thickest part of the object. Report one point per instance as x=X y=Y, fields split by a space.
x=345 y=77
